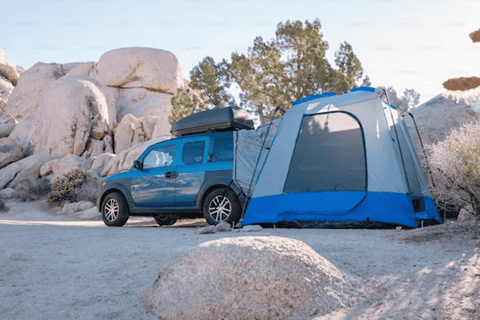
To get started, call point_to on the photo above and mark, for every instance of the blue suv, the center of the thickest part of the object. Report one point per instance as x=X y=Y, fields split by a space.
x=185 y=177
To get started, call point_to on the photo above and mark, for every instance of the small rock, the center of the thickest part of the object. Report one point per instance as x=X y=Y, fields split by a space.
x=84 y=205
x=223 y=226
x=15 y=210
x=206 y=230
x=75 y=207
x=7 y=193
x=6 y=129
x=466 y=214
x=9 y=152
x=46 y=169
x=89 y=214
x=68 y=208
x=399 y=228
x=252 y=227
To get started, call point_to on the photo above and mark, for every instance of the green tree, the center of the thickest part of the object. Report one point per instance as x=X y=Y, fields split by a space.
x=349 y=64
x=261 y=77
x=210 y=78
x=366 y=82
x=207 y=90
x=291 y=67
x=307 y=71
x=184 y=103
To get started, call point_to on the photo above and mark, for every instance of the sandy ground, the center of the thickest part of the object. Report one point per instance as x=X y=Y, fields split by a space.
x=59 y=267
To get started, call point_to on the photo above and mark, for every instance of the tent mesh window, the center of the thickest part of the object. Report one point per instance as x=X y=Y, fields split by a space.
x=329 y=155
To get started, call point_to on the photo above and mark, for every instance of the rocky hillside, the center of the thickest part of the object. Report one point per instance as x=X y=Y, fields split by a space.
x=89 y=115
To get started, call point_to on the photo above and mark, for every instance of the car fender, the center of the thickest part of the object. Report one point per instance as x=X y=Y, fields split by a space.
x=117 y=186
x=215 y=180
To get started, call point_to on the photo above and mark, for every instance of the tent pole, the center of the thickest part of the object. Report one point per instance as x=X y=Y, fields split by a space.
x=247 y=196
x=423 y=148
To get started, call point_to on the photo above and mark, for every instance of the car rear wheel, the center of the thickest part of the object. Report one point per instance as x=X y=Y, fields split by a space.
x=221 y=205
x=115 y=211
x=165 y=221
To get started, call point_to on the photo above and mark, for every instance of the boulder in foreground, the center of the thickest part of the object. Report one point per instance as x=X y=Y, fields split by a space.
x=250 y=278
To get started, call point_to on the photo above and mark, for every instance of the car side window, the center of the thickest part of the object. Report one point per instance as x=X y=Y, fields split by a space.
x=193 y=152
x=160 y=157
x=222 y=150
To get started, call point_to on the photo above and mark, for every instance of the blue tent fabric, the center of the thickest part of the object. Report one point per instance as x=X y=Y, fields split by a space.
x=391 y=208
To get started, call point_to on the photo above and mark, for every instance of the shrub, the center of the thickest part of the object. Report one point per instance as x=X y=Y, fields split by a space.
x=455 y=166
x=28 y=190
x=64 y=189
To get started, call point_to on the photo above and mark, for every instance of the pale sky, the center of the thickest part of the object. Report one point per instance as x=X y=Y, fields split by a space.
x=405 y=44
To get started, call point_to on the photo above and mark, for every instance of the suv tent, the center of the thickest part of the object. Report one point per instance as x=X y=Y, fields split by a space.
x=338 y=158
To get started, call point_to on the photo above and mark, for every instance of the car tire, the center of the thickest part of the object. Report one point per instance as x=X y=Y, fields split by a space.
x=115 y=210
x=221 y=205
x=165 y=220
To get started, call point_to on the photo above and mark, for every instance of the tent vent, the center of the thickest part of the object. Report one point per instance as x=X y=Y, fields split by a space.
x=418 y=204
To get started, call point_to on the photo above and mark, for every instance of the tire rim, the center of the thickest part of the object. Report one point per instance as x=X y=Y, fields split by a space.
x=220 y=208
x=111 y=209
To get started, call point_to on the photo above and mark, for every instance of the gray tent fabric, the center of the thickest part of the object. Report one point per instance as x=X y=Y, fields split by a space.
x=248 y=149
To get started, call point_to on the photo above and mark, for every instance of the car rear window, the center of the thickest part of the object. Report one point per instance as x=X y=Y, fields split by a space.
x=222 y=150
x=193 y=152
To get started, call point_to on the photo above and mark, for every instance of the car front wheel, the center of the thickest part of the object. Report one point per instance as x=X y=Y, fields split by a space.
x=222 y=205
x=115 y=211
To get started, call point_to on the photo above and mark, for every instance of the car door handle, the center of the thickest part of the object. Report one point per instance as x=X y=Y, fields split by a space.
x=171 y=174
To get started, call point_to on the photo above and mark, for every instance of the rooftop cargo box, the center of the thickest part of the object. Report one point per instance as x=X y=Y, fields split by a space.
x=223 y=119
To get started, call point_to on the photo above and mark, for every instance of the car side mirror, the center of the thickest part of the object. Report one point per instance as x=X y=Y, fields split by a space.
x=137 y=165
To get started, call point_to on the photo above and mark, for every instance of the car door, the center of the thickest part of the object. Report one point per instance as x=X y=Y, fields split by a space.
x=154 y=186
x=191 y=171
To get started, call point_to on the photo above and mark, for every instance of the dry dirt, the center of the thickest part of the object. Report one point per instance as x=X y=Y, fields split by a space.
x=58 y=267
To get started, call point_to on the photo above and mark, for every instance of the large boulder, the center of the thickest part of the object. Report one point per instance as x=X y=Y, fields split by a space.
x=99 y=163
x=27 y=168
x=27 y=97
x=123 y=161
x=250 y=278
x=147 y=68
x=59 y=167
x=437 y=117
x=80 y=69
x=72 y=112
x=128 y=133
x=6 y=88
x=141 y=102
x=9 y=152
x=8 y=70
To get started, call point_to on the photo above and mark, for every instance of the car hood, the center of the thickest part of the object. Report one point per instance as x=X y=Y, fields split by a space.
x=122 y=175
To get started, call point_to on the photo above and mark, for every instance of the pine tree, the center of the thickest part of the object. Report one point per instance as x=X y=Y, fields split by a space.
x=291 y=67
x=207 y=90
x=184 y=103
x=349 y=64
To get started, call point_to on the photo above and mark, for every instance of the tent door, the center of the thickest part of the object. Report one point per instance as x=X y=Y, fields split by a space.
x=329 y=159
